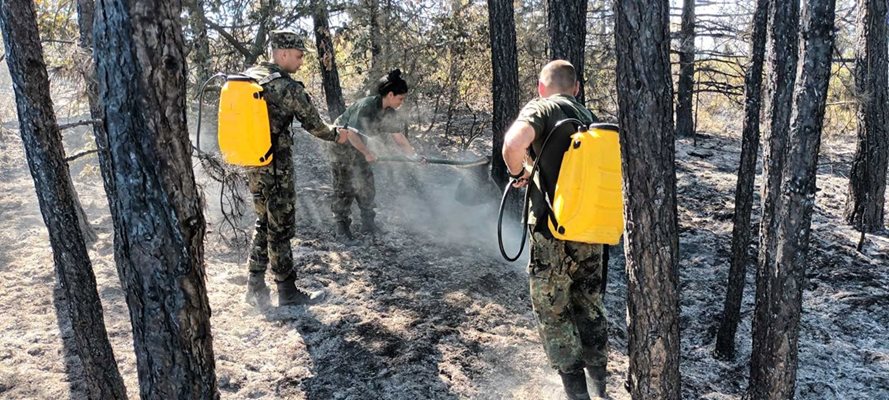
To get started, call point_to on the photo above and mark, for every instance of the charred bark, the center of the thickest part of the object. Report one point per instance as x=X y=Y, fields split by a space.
x=505 y=84
x=741 y=232
x=201 y=44
x=330 y=77
x=782 y=261
x=85 y=13
x=376 y=47
x=55 y=194
x=158 y=221
x=566 y=30
x=685 y=88
x=867 y=182
x=645 y=94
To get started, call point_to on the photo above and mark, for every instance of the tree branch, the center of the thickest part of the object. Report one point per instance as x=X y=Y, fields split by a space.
x=79 y=123
x=81 y=154
x=229 y=38
x=58 y=41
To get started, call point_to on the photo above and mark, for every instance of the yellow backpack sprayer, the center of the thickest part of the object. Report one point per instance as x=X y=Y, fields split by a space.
x=243 y=133
x=588 y=203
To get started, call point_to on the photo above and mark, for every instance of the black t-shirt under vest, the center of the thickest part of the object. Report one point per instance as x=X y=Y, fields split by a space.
x=543 y=114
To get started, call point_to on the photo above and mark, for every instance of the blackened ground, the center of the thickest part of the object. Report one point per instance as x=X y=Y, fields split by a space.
x=431 y=311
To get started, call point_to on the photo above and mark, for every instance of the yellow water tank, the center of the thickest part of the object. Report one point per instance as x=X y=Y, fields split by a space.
x=588 y=201
x=244 y=134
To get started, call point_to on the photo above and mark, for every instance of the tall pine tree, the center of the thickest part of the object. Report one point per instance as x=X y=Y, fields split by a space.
x=158 y=221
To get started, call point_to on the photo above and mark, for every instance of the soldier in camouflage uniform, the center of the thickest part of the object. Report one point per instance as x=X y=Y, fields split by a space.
x=566 y=278
x=272 y=185
x=353 y=178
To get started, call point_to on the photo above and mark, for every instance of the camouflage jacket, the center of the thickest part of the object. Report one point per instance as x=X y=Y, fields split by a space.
x=287 y=99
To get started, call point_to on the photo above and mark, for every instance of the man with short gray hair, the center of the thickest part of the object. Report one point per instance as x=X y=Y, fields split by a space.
x=566 y=278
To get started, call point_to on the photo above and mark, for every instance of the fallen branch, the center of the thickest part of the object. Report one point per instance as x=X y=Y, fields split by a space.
x=58 y=41
x=79 y=123
x=230 y=180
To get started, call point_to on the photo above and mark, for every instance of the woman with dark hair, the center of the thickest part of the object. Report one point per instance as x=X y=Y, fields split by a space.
x=353 y=178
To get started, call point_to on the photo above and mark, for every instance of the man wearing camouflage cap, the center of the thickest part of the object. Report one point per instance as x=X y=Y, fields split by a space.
x=272 y=185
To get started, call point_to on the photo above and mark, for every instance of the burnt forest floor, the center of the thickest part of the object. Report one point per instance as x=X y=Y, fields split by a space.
x=431 y=311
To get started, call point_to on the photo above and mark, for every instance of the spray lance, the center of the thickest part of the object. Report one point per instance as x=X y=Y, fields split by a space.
x=475 y=186
x=484 y=161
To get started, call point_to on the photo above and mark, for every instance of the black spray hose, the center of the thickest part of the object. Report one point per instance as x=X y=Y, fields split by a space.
x=509 y=186
x=524 y=222
x=201 y=107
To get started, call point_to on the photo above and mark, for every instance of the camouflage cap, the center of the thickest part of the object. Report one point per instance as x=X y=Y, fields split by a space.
x=287 y=39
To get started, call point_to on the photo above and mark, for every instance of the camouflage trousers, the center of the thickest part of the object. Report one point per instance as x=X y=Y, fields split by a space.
x=353 y=179
x=566 y=292
x=274 y=201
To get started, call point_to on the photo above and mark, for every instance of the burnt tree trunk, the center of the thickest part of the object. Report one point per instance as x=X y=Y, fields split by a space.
x=783 y=46
x=645 y=97
x=201 y=44
x=261 y=38
x=85 y=12
x=566 y=32
x=685 y=89
x=741 y=232
x=386 y=21
x=330 y=77
x=373 y=23
x=158 y=222
x=505 y=83
x=55 y=193
x=782 y=261
x=867 y=182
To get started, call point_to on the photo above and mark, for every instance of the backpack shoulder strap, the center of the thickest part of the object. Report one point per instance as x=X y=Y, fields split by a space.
x=269 y=78
x=571 y=113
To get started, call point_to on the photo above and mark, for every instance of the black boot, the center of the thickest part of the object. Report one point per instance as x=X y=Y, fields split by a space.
x=289 y=294
x=257 y=291
x=370 y=227
x=598 y=377
x=575 y=385
x=344 y=233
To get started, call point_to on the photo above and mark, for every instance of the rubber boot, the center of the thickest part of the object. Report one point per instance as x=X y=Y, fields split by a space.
x=575 y=385
x=598 y=377
x=344 y=234
x=290 y=295
x=257 y=291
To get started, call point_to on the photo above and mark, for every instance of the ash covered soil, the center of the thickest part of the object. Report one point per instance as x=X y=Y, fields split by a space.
x=431 y=311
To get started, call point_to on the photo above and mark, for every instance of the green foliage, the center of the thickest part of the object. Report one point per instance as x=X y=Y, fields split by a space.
x=443 y=49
